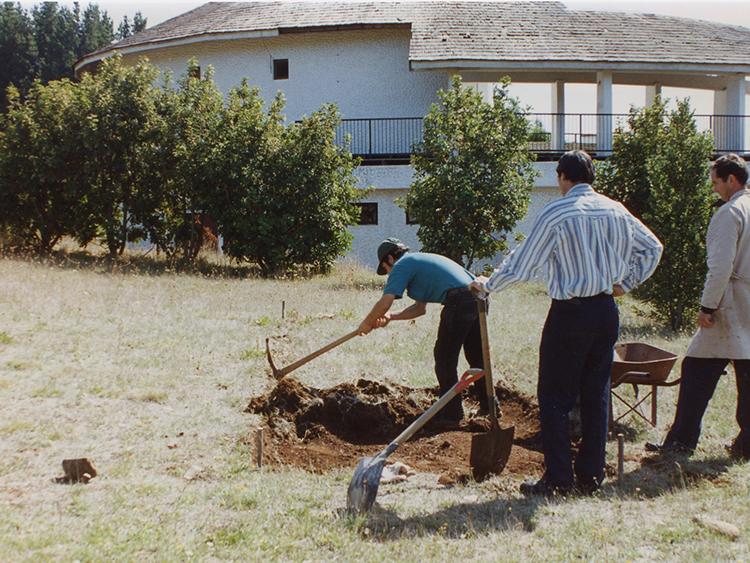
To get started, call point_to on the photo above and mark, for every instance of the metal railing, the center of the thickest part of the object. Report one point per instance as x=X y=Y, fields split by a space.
x=551 y=133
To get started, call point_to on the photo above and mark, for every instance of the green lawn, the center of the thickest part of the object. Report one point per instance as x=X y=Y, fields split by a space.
x=148 y=376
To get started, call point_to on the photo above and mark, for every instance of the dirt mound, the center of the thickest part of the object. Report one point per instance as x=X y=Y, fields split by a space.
x=323 y=429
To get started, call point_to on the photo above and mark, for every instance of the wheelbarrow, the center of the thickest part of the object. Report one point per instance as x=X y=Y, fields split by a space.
x=638 y=364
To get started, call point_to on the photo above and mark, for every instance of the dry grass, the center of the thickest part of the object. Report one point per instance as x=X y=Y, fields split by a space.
x=148 y=376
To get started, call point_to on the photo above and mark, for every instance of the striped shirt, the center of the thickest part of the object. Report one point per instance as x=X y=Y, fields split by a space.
x=582 y=244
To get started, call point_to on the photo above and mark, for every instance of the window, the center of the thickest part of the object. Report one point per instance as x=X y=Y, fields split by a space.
x=368 y=213
x=195 y=72
x=410 y=220
x=280 y=69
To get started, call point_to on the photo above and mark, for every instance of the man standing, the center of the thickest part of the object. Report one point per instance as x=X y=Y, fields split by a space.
x=724 y=319
x=431 y=278
x=590 y=249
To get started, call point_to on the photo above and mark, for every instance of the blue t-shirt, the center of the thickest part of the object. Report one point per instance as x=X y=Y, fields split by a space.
x=425 y=277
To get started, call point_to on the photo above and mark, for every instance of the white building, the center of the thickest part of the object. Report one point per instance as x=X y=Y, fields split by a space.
x=382 y=64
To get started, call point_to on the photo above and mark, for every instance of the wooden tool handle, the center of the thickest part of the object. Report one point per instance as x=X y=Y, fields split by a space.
x=489 y=385
x=291 y=367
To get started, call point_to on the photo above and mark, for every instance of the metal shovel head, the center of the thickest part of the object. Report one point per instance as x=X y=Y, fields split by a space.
x=490 y=451
x=363 y=488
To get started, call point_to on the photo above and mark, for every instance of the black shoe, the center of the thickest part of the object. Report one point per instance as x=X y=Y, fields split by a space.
x=736 y=451
x=668 y=448
x=587 y=488
x=544 y=489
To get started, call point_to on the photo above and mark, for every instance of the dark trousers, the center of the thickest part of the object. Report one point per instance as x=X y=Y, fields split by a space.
x=699 y=379
x=459 y=328
x=575 y=360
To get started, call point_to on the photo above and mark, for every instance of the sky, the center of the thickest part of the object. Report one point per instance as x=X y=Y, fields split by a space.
x=578 y=97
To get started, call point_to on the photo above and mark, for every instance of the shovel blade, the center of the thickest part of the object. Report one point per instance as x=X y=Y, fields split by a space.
x=490 y=451
x=363 y=488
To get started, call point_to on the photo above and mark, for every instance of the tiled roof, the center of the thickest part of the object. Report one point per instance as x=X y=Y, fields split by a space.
x=482 y=31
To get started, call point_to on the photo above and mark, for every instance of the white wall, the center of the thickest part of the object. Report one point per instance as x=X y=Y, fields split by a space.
x=366 y=72
x=391 y=182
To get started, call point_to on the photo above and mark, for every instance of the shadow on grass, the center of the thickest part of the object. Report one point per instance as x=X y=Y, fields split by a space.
x=458 y=521
x=656 y=477
x=661 y=474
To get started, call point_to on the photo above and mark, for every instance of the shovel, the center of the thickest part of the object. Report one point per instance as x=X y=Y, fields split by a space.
x=279 y=373
x=363 y=488
x=489 y=451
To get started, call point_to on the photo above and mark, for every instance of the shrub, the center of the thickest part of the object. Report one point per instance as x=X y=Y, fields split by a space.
x=472 y=173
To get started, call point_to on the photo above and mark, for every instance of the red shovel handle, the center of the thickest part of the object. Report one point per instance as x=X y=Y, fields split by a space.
x=469 y=377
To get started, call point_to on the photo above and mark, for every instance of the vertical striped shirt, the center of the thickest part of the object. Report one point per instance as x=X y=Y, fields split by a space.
x=582 y=244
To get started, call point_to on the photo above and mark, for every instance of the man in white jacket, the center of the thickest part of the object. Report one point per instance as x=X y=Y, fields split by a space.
x=724 y=320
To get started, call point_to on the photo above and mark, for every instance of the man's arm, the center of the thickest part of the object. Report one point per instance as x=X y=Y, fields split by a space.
x=524 y=261
x=377 y=312
x=721 y=251
x=416 y=309
x=644 y=257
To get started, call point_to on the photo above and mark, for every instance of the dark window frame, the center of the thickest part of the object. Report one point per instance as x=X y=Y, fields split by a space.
x=368 y=213
x=409 y=219
x=281 y=69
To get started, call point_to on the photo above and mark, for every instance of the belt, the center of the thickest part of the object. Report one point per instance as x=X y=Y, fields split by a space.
x=457 y=291
x=583 y=299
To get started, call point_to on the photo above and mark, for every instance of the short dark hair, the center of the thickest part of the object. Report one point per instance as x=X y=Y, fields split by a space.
x=731 y=165
x=577 y=167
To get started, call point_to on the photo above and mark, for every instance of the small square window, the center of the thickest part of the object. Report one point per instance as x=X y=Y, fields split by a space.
x=410 y=220
x=280 y=69
x=195 y=72
x=368 y=213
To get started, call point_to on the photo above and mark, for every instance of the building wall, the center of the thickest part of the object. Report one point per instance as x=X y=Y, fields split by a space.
x=392 y=182
x=365 y=72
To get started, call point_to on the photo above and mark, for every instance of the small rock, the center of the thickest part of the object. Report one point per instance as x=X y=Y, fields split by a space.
x=396 y=473
x=724 y=528
x=447 y=480
x=193 y=473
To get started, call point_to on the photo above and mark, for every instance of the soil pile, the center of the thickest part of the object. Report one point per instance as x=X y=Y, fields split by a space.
x=322 y=429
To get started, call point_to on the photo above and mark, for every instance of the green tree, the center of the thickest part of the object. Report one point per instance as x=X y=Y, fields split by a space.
x=283 y=195
x=139 y=22
x=472 y=173
x=56 y=36
x=94 y=31
x=193 y=111
x=659 y=170
x=39 y=201
x=18 y=51
x=123 y=30
x=122 y=137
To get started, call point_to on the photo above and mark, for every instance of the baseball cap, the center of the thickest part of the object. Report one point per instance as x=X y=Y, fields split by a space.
x=388 y=246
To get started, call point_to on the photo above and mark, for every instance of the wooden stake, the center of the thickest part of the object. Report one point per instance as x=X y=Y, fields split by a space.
x=283 y=309
x=620 y=456
x=259 y=446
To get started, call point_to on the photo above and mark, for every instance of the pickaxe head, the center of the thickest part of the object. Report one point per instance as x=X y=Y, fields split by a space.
x=277 y=373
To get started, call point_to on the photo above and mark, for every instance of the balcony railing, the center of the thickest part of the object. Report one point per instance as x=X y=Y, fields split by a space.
x=551 y=134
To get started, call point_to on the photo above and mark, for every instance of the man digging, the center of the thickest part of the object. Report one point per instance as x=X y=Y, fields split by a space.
x=431 y=278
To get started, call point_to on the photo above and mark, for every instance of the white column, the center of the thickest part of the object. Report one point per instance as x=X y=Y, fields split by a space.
x=651 y=92
x=735 y=104
x=604 y=108
x=558 y=117
x=719 y=120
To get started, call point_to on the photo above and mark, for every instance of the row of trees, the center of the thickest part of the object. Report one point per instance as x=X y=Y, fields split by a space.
x=45 y=43
x=116 y=158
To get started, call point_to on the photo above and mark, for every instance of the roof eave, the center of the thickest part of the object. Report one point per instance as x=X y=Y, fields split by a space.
x=588 y=65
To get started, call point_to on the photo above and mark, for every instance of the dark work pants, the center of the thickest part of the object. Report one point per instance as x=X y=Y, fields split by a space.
x=575 y=360
x=699 y=379
x=459 y=328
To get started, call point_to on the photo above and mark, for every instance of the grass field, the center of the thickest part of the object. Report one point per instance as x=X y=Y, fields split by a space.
x=148 y=376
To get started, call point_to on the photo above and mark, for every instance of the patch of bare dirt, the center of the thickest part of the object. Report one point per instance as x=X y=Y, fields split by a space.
x=323 y=429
